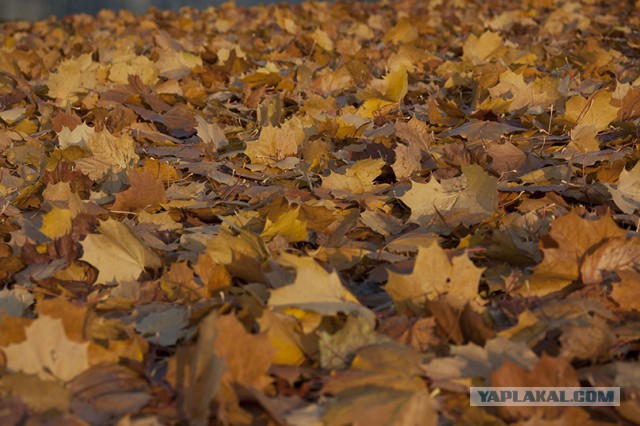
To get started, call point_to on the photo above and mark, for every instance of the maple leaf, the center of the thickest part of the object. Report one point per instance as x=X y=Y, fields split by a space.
x=281 y=329
x=276 y=143
x=415 y=132
x=175 y=64
x=570 y=238
x=548 y=372
x=73 y=78
x=382 y=385
x=590 y=116
x=246 y=356
x=626 y=194
x=625 y=292
x=109 y=154
x=595 y=111
x=76 y=137
x=479 y=49
x=47 y=352
x=117 y=253
x=357 y=178
x=433 y=276
x=211 y=133
x=467 y=200
x=39 y=395
x=613 y=255
x=145 y=191
x=126 y=65
x=337 y=348
x=286 y=225
x=314 y=289
x=537 y=95
x=56 y=223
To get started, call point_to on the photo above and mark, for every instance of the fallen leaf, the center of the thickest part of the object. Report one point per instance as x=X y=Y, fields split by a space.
x=73 y=78
x=105 y=393
x=288 y=226
x=39 y=395
x=433 y=276
x=479 y=49
x=47 y=352
x=626 y=194
x=357 y=178
x=614 y=255
x=144 y=191
x=117 y=253
x=315 y=289
x=109 y=154
x=246 y=356
x=276 y=143
x=570 y=238
x=444 y=205
x=548 y=372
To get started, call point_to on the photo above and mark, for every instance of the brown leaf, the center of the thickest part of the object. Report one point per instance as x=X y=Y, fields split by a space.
x=105 y=393
x=145 y=191
x=435 y=275
x=570 y=238
x=548 y=372
x=614 y=255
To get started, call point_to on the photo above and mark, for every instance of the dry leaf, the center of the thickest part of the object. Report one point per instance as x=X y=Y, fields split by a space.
x=117 y=253
x=47 y=352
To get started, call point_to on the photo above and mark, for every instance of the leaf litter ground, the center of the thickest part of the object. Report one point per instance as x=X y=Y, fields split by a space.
x=324 y=213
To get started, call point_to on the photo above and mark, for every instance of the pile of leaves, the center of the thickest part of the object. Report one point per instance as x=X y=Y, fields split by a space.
x=324 y=213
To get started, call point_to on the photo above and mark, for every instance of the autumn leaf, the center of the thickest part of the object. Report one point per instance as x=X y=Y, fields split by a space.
x=56 y=223
x=571 y=237
x=138 y=65
x=467 y=200
x=357 y=178
x=614 y=255
x=434 y=276
x=479 y=49
x=109 y=154
x=117 y=253
x=211 y=133
x=73 y=78
x=276 y=143
x=286 y=225
x=626 y=194
x=539 y=94
x=76 y=137
x=548 y=372
x=382 y=384
x=47 y=352
x=315 y=290
x=145 y=191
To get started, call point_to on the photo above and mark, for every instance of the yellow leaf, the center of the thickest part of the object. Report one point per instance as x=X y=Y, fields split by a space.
x=397 y=84
x=110 y=154
x=322 y=39
x=288 y=226
x=74 y=77
x=276 y=143
x=57 y=223
x=596 y=112
x=280 y=331
x=315 y=289
x=479 y=49
x=47 y=351
x=374 y=107
x=434 y=275
x=127 y=65
x=357 y=179
x=117 y=253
